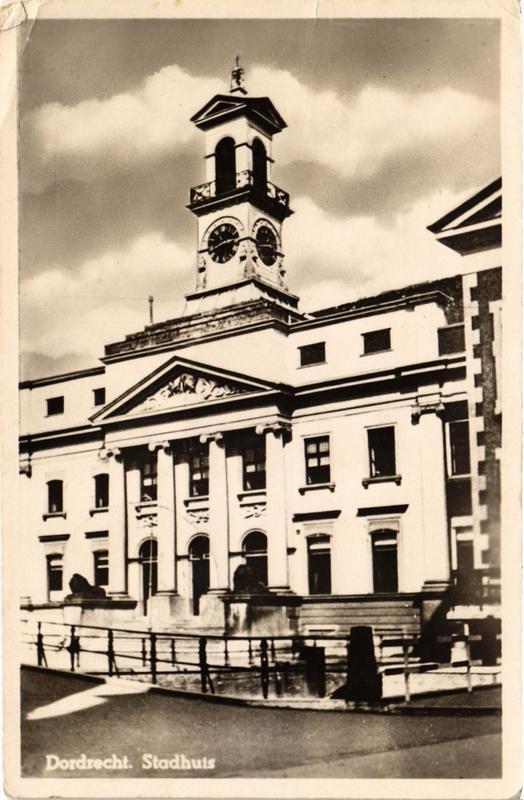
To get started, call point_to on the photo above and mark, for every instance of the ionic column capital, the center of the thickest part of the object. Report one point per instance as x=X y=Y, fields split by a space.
x=104 y=454
x=431 y=405
x=164 y=445
x=278 y=428
x=217 y=437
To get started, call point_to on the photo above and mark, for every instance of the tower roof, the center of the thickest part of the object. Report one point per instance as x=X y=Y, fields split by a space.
x=225 y=107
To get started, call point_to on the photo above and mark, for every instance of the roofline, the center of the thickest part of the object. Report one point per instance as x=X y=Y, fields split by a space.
x=65 y=376
x=468 y=204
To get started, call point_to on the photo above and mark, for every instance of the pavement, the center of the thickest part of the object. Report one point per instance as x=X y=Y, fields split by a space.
x=74 y=727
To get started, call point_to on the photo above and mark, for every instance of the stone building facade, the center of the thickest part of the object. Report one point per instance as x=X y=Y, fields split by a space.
x=349 y=457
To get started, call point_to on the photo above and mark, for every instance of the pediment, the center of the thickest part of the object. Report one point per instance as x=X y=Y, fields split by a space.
x=180 y=384
x=482 y=208
x=226 y=106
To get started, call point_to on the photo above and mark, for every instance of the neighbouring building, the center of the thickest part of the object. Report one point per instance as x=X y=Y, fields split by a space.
x=350 y=456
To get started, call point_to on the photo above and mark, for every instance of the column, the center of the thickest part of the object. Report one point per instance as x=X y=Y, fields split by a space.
x=276 y=435
x=218 y=513
x=433 y=490
x=166 y=519
x=117 y=537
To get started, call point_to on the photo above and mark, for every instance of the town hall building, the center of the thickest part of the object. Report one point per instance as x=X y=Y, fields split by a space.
x=349 y=457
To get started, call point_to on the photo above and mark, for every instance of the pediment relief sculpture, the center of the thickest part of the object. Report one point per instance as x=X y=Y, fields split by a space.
x=186 y=389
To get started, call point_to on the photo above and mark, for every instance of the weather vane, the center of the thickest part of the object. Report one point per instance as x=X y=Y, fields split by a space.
x=237 y=78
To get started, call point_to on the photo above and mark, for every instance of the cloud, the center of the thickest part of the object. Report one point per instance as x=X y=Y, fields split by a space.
x=353 y=135
x=333 y=260
x=66 y=311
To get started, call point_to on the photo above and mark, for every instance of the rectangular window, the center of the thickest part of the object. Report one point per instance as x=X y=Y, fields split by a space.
x=55 y=497
x=254 y=468
x=199 y=473
x=381 y=445
x=101 y=567
x=375 y=341
x=318 y=469
x=55 y=405
x=459 y=447
x=148 y=479
x=54 y=573
x=312 y=354
x=101 y=490
x=451 y=340
x=99 y=396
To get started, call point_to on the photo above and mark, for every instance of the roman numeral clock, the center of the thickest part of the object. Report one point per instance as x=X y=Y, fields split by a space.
x=239 y=210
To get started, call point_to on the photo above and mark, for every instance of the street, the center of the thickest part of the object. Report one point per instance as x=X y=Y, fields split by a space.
x=165 y=736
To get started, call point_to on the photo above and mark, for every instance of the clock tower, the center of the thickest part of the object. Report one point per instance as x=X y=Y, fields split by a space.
x=239 y=210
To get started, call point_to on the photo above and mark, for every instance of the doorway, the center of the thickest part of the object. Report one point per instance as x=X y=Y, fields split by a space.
x=199 y=560
x=319 y=564
x=385 y=562
x=148 y=558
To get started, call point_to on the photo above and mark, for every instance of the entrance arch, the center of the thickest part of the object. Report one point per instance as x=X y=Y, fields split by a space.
x=199 y=560
x=148 y=559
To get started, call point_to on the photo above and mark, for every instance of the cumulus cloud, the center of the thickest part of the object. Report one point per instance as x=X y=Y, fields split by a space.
x=335 y=260
x=354 y=135
x=79 y=311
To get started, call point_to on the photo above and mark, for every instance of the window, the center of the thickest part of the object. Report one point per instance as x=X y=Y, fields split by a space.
x=385 y=567
x=101 y=567
x=99 y=396
x=101 y=490
x=259 y=164
x=148 y=560
x=459 y=447
x=375 y=341
x=55 y=405
x=199 y=473
x=148 y=479
x=55 y=497
x=319 y=564
x=225 y=165
x=451 y=340
x=381 y=445
x=54 y=574
x=254 y=468
x=318 y=469
x=312 y=354
x=254 y=550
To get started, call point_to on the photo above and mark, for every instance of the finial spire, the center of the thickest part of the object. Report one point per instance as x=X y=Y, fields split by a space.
x=237 y=78
x=151 y=300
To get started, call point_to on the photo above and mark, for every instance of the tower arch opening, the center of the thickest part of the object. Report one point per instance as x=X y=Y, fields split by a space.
x=225 y=165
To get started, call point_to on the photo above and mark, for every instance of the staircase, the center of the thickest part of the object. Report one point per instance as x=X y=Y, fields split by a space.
x=393 y=614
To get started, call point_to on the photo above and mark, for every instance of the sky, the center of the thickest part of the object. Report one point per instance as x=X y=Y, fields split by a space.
x=391 y=123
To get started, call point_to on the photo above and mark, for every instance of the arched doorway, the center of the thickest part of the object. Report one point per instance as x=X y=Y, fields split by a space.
x=148 y=558
x=254 y=549
x=225 y=165
x=259 y=164
x=199 y=560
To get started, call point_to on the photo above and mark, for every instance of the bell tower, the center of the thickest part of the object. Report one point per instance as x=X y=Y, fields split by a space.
x=239 y=211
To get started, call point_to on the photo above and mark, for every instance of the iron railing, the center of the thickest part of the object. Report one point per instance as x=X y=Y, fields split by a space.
x=243 y=180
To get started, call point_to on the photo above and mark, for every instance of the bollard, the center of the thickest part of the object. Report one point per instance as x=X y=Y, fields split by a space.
x=203 y=663
x=315 y=669
x=363 y=682
x=405 y=653
x=144 y=653
x=152 y=656
x=226 y=654
x=110 y=652
x=173 y=653
x=40 y=652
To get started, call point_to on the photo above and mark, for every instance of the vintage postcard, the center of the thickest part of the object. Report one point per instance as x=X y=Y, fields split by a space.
x=261 y=323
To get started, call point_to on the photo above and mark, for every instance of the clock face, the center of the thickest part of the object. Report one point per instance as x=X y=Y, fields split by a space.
x=267 y=245
x=223 y=242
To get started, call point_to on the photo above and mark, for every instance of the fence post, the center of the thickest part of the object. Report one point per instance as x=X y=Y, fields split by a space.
x=264 y=668
x=405 y=652
x=226 y=653
x=144 y=653
x=110 y=652
x=173 y=653
x=152 y=656
x=249 y=652
x=40 y=652
x=467 y=647
x=73 y=648
x=202 y=643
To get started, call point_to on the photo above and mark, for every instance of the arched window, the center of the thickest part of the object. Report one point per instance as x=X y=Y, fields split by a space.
x=225 y=165
x=385 y=567
x=254 y=549
x=259 y=164
x=199 y=560
x=102 y=490
x=148 y=558
x=55 y=497
x=319 y=563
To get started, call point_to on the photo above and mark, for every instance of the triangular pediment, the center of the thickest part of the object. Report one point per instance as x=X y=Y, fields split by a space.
x=483 y=207
x=180 y=384
x=222 y=107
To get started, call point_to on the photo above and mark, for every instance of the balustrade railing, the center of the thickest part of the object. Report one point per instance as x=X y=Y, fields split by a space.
x=243 y=180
